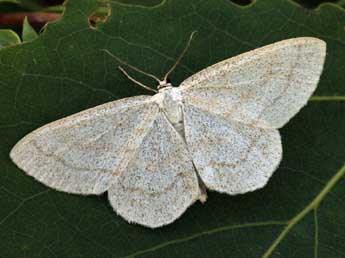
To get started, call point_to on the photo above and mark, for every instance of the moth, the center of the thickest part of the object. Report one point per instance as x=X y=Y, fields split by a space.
x=157 y=155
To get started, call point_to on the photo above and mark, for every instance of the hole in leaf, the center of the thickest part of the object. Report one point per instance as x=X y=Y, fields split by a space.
x=100 y=15
x=242 y=2
x=45 y=2
x=311 y=4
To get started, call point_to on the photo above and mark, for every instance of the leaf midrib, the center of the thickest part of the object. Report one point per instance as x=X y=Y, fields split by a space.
x=312 y=206
x=316 y=98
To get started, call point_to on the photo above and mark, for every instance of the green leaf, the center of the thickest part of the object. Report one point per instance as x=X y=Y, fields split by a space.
x=8 y=38
x=29 y=33
x=10 y=1
x=300 y=213
x=341 y=3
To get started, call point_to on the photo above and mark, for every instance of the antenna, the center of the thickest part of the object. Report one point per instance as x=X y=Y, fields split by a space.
x=135 y=69
x=129 y=65
x=160 y=83
x=135 y=81
x=180 y=56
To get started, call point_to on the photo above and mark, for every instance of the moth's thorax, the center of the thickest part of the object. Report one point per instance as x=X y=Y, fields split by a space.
x=169 y=100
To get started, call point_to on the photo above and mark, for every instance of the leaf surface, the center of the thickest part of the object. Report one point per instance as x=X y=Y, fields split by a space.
x=8 y=38
x=300 y=213
x=28 y=33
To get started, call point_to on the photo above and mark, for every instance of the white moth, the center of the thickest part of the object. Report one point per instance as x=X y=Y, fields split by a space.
x=156 y=154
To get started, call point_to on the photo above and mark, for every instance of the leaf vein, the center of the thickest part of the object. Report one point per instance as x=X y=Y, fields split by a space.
x=204 y=233
x=311 y=206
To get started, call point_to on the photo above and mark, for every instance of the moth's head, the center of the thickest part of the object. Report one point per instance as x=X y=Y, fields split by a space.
x=166 y=83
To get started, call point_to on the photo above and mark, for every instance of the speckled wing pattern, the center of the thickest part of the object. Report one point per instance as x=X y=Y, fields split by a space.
x=84 y=153
x=230 y=156
x=264 y=87
x=222 y=121
x=160 y=182
x=232 y=110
